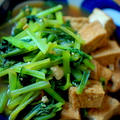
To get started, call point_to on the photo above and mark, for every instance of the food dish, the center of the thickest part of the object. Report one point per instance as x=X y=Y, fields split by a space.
x=59 y=66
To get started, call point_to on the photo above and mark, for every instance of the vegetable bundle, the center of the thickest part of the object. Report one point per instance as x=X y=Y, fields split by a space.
x=43 y=59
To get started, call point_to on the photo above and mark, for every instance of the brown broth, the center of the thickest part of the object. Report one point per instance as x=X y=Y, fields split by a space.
x=67 y=10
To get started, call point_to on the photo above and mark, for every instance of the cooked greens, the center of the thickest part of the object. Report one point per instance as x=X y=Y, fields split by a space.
x=40 y=40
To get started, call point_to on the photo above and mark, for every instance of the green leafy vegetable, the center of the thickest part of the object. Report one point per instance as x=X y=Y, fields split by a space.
x=66 y=62
x=12 y=80
x=13 y=103
x=3 y=100
x=41 y=43
x=40 y=40
x=55 y=95
x=33 y=73
x=89 y=64
x=83 y=82
x=43 y=110
x=36 y=86
x=67 y=84
x=20 y=44
x=49 y=11
x=27 y=100
x=59 y=17
x=46 y=117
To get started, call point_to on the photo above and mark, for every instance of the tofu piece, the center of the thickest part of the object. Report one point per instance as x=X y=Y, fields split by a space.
x=68 y=113
x=95 y=75
x=105 y=73
x=58 y=72
x=94 y=35
x=113 y=44
x=91 y=97
x=108 y=54
x=117 y=64
x=105 y=20
x=109 y=107
x=114 y=83
x=100 y=71
x=77 y=22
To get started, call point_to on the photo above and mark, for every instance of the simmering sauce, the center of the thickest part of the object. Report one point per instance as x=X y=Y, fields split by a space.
x=67 y=10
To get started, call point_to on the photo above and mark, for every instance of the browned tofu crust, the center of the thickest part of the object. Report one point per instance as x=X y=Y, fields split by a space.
x=105 y=20
x=68 y=113
x=108 y=54
x=109 y=107
x=110 y=27
x=100 y=71
x=91 y=97
x=94 y=35
x=77 y=22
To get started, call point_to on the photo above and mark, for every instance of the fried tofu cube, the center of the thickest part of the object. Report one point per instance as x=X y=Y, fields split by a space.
x=94 y=35
x=95 y=73
x=91 y=97
x=77 y=22
x=113 y=44
x=105 y=73
x=68 y=113
x=108 y=54
x=100 y=71
x=105 y=20
x=117 y=64
x=108 y=108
